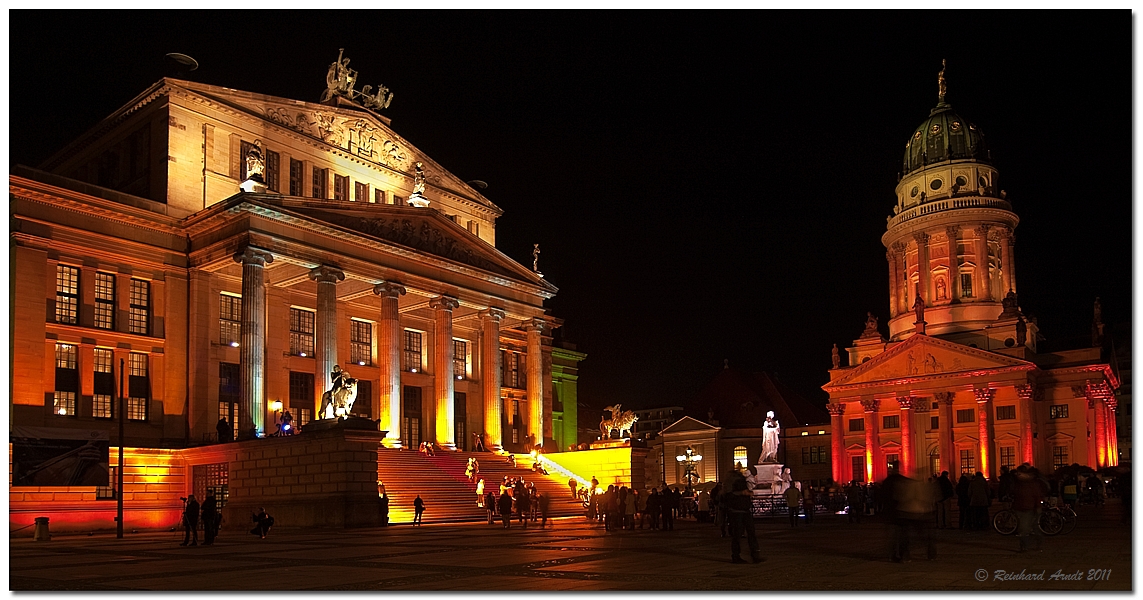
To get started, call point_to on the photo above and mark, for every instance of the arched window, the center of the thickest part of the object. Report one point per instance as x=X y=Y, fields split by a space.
x=740 y=456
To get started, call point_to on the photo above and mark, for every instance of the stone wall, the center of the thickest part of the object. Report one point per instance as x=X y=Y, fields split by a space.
x=611 y=466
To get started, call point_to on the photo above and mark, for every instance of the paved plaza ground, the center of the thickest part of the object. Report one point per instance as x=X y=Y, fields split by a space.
x=572 y=555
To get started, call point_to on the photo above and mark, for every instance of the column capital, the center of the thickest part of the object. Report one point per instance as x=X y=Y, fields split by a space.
x=327 y=274
x=945 y=398
x=871 y=405
x=491 y=313
x=921 y=238
x=836 y=408
x=536 y=324
x=1026 y=391
x=908 y=402
x=898 y=247
x=952 y=231
x=251 y=255
x=443 y=303
x=1099 y=390
x=982 y=230
x=983 y=394
x=389 y=289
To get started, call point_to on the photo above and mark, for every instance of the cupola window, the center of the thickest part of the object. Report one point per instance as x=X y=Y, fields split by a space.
x=936 y=184
x=955 y=126
x=913 y=192
x=935 y=129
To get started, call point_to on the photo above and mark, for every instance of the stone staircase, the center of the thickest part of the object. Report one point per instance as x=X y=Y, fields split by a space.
x=448 y=495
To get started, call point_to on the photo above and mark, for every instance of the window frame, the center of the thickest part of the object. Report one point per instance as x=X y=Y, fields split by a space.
x=301 y=339
x=891 y=422
x=856 y=425
x=104 y=317
x=459 y=359
x=139 y=315
x=67 y=294
x=1058 y=411
x=1009 y=413
x=340 y=187
x=297 y=178
x=320 y=183
x=412 y=350
x=961 y=412
x=360 y=342
x=229 y=319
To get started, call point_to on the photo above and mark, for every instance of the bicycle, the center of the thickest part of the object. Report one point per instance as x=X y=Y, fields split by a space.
x=1051 y=522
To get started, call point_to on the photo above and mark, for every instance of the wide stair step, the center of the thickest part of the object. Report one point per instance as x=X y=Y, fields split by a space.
x=447 y=493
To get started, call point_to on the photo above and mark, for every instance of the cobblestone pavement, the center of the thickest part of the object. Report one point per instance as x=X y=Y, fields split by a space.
x=575 y=555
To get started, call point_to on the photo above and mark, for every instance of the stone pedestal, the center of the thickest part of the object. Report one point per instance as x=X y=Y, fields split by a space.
x=767 y=473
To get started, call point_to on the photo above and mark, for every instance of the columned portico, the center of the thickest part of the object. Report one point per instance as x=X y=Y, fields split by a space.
x=326 y=325
x=535 y=329
x=983 y=417
x=443 y=377
x=837 y=441
x=389 y=361
x=872 y=444
x=490 y=376
x=252 y=348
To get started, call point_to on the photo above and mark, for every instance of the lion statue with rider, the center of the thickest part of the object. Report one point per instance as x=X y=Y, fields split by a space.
x=337 y=403
x=620 y=420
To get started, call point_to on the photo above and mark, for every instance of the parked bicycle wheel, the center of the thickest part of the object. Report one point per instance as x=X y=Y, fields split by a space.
x=1051 y=522
x=1005 y=522
x=1069 y=517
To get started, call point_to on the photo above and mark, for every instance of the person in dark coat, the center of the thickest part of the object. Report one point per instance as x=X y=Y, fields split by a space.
x=655 y=507
x=190 y=521
x=962 y=501
x=505 y=506
x=543 y=501
x=384 y=509
x=1028 y=491
x=490 y=506
x=944 y=504
x=225 y=432
x=418 y=509
x=738 y=504
x=978 y=500
x=264 y=523
x=523 y=504
x=668 y=509
x=209 y=518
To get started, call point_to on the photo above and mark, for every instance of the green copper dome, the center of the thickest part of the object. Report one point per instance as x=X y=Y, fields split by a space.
x=944 y=136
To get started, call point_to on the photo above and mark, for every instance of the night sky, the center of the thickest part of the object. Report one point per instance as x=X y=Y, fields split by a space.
x=703 y=185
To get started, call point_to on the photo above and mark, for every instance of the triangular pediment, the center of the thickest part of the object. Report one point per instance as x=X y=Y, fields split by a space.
x=686 y=425
x=358 y=131
x=922 y=356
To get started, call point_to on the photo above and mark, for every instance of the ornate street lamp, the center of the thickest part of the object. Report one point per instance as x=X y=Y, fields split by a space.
x=689 y=460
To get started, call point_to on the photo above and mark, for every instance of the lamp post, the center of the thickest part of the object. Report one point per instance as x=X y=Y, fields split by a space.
x=689 y=461
x=276 y=406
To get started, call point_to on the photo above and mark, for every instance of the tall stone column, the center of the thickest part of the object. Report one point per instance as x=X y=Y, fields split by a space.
x=1027 y=393
x=252 y=348
x=1112 y=404
x=908 y=460
x=872 y=442
x=894 y=282
x=490 y=376
x=1095 y=400
x=837 y=442
x=443 y=377
x=535 y=329
x=900 y=293
x=326 y=326
x=945 y=434
x=983 y=415
x=389 y=361
x=980 y=276
x=952 y=232
x=924 y=267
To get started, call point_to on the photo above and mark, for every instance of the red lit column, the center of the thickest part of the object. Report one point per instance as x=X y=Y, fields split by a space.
x=900 y=293
x=1027 y=415
x=872 y=445
x=389 y=344
x=443 y=384
x=837 y=442
x=1112 y=432
x=1095 y=400
x=490 y=376
x=983 y=413
x=252 y=350
x=952 y=232
x=907 y=404
x=1007 y=265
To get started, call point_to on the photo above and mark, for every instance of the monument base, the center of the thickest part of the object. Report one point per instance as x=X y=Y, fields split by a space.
x=767 y=474
x=353 y=423
x=623 y=443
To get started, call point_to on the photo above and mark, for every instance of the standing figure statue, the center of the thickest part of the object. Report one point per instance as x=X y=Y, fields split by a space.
x=942 y=88
x=835 y=356
x=340 y=79
x=255 y=163
x=919 y=309
x=770 y=431
x=418 y=180
x=536 y=257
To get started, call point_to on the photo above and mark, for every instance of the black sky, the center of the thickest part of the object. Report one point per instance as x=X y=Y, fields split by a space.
x=704 y=185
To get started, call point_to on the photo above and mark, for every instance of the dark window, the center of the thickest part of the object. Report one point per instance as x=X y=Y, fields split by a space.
x=1004 y=413
x=411 y=357
x=360 y=342
x=103 y=405
x=398 y=200
x=1058 y=411
x=273 y=166
x=514 y=369
x=858 y=463
x=320 y=181
x=411 y=419
x=813 y=455
x=363 y=405
x=891 y=422
x=301 y=332
x=229 y=320
x=213 y=478
x=934 y=423
x=340 y=187
x=67 y=380
x=228 y=396
x=139 y=318
x=105 y=300
x=892 y=460
x=67 y=294
x=139 y=392
x=360 y=191
x=966 y=285
x=460 y=417
x=297 y=176
x=966 y=415
x=301 y=394
x=857 y=424
x=379 y=196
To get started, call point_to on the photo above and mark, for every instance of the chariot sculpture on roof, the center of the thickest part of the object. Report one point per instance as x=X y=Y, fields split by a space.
x=340 y=79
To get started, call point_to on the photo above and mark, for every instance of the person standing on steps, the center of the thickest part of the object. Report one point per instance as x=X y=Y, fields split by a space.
x=505 y=506
x=190 y=521
x=419 y=510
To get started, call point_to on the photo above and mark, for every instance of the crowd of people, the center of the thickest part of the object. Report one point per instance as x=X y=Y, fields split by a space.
x=515 y=497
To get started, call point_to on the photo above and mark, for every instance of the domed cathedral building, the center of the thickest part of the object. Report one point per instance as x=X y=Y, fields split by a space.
x=215 y=255
x=958 y=385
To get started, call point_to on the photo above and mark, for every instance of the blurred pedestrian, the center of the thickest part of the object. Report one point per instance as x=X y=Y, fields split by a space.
x=962 y=498
x=209 y=518
x=418 y=510
x=505 y=506
x=1028 y=491
x=808 y=504
x=739 y=511
x=855 y=498
x=793 y=503
x=190 y=521
x=944 y=500
x=543 y=501
x=978 y=500
x=384 y=509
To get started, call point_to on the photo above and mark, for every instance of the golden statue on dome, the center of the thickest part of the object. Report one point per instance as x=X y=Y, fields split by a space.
x=942 y=87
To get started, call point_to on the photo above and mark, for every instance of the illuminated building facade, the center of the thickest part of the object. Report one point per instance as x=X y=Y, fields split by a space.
x=959 y=384
x=134 y=246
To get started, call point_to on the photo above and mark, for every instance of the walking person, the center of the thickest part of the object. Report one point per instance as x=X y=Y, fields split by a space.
x=542 y=500
x=490 y=499
x=793 y=503
x=654 y=507
x=962 y=502
x=573 y=485
x=944 y=502
x=808 y=503
x=739 y=511
x=190 y=521
x=978 y=500
x=629 y=511
x=505 y=506
x=523 y=504
x=418 y=510
x=1028 y=491
x=668 y=509
x=855 y=498
x=209 y=518
x=384 y=509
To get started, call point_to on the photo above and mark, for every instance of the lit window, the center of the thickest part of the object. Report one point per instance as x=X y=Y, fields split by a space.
x=340 y=187
x=301 y=332
x=102 y=403
x=66 y=380
x=740 y=456
x=892 y=460
x=140 y=315
x=1008 y=456
x=105 y=300
x=1059 y=457
x=966 y=285
x=229 y=320
x=67 y=294
x=459 y=358
x=360 y=342
x=967 y=463
x=360 y=191
x=137 y=364
x=139 y=387
x=64 y=404
x=411 y=357
x=66 y=356
x=1058 y=411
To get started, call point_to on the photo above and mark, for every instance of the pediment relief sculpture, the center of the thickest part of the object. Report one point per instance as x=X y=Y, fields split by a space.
x=926 y=357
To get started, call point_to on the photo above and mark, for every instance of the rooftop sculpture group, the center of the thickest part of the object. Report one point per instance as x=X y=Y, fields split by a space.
x=340 y=79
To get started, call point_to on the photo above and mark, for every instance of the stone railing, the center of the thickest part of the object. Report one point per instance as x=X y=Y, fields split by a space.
x=949 y=204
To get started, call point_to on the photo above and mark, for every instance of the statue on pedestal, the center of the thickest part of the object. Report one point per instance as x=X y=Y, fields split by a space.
x=770 y=431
